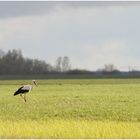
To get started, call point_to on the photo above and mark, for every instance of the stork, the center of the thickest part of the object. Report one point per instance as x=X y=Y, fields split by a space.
x=25 y=89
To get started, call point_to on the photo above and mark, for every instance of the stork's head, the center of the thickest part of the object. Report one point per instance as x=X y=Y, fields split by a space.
x=34 y=82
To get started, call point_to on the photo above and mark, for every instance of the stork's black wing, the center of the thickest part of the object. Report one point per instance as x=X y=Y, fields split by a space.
x=18 y=91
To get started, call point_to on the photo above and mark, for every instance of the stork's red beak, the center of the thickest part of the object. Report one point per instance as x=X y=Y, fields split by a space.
x=35 y=83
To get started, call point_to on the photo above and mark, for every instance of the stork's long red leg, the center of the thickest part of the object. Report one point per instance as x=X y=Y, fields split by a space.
x=24 y=97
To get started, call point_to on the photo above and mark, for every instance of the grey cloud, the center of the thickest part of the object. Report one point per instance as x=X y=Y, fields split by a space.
x=21 y=8
x=10 y=9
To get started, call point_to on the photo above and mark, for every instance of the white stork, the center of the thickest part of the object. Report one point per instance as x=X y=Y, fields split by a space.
x=25 y=89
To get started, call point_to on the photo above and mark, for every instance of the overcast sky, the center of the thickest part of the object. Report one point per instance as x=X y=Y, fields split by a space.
x=90 y=33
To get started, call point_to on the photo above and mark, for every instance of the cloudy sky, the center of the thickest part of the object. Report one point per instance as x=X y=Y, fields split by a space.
x=90 y=33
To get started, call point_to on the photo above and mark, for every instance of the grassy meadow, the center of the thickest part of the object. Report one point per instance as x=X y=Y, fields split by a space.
x=80 y=108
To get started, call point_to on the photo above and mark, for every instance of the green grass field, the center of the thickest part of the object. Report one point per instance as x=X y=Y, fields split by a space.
x=103 y=108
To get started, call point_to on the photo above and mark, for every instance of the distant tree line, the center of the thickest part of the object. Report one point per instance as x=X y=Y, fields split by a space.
x=13 y=63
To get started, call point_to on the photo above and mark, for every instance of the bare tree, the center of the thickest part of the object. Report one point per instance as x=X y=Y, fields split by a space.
x=66 y=64
x=109 y=68
x=58 y=65
x=62 y=64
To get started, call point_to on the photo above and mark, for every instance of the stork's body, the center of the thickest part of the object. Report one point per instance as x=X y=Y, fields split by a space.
x=25 y=89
